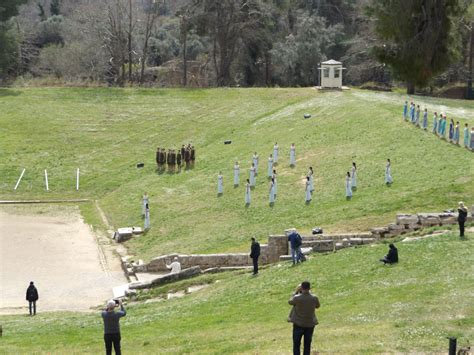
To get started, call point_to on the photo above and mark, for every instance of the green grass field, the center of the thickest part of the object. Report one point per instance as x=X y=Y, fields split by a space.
x=105 y=132
x=366 y=308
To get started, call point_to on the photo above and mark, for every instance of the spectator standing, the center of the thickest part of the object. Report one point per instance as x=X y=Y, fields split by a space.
x=303 y=317
x=32 y=297
x=112 y=326
x=295 y=243
x=392 y=256
x=254 y=254
x=462 y=216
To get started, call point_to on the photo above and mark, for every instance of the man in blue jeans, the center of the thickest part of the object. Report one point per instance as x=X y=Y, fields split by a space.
x=303 y=317
x=295 y=243
x=112 y=326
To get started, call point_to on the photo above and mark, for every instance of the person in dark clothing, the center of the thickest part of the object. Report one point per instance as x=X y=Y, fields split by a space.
x=112 y=326
x=392 y=256
x=295 y=243
x=303 y=317
x=254 y=254
x=462 y=216
x=32 y=297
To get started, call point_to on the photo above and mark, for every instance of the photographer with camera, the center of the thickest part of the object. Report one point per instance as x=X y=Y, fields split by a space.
x=303 y=317
x=112 y=326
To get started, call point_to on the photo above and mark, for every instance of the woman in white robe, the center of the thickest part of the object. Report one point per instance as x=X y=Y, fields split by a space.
x=255 y=162
x=236 y=173
x=144 y=203
x=292 y=155
x=247 y=192
x=252 y=175
x=220 y=184
x=354 y=175
x=147 y=217
x=348 y=185
x=272 y=192
x=311 y=181
x=275 y=184
x=308 y=196
x=388 y=173
x=275 y=153
x=270 y=166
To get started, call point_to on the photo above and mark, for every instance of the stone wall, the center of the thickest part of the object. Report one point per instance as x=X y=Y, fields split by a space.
x=269 y=253
x=406 y=223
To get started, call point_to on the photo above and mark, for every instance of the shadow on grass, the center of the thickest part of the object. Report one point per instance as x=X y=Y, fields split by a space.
x=9 y=92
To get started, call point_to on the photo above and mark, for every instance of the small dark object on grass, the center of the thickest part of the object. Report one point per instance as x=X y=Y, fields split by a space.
x=307 y=115
x=140 y=165
x=227 y=142
x=317 y=230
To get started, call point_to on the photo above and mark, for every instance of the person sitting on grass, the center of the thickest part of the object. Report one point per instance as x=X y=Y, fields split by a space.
x=392 y=256
x=175 y=266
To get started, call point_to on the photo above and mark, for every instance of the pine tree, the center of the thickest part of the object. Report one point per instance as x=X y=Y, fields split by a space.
x=416 y=37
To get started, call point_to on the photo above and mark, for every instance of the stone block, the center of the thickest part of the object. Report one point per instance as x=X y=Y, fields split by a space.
x=429 y=219
x=368 y=240
x=394 y=226
x=413 y=227
x=184 y=274
x=448 y=218
x=379 y=232
x=407 y=219
x=357 y=241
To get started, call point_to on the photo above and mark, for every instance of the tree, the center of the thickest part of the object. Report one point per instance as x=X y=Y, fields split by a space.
x=415 y=36
x=8 y=43
x=55 y=7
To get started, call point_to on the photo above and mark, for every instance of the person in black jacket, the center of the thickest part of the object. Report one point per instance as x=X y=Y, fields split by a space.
x=254 y=254
x=392 y=256
x=32 y=297
x=462 y=216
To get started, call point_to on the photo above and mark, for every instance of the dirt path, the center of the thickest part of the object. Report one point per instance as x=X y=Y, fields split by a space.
x=59 y=252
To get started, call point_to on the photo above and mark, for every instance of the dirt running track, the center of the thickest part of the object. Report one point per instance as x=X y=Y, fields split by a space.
x=60 y=254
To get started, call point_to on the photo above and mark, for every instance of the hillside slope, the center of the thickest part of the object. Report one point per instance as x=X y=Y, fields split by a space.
x=105 y=132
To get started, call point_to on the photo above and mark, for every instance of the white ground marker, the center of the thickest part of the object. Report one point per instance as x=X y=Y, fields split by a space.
x=77 y=179
x=46 y=179
x=19 y=179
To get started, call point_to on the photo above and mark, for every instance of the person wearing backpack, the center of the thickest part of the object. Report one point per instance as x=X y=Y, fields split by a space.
x=295 y=243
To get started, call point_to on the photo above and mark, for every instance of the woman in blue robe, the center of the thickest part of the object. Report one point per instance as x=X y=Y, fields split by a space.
x=451 y=130
x=435 y=123
x=425 y=119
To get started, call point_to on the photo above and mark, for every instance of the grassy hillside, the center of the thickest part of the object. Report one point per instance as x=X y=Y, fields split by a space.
x=105 y=132
x=365 y=308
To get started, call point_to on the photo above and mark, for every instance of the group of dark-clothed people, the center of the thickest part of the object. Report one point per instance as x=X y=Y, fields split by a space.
x=175 y=157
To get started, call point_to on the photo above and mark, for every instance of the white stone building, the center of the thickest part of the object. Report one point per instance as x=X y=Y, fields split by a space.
x=331 y=74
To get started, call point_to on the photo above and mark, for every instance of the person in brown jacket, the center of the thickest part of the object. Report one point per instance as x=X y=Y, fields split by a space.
x=303 y=317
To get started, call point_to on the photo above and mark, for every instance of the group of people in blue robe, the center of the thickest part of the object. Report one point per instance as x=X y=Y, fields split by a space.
x=440 y=125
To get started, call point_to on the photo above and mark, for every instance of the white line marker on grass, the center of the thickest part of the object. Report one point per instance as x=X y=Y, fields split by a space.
x=77 y=179
x=46 y=179
x=19 y=179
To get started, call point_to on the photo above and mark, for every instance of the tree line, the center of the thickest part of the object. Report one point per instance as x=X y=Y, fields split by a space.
x=236 y=42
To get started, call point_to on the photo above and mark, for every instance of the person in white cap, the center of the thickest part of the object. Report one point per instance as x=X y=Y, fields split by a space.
x=112 y=326
x=175 y=266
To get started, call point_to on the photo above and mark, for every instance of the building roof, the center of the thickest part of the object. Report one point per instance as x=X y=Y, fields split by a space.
x=331 y=62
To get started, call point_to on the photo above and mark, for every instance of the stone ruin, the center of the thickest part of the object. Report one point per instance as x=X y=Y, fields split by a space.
x=277 y=248
x=407 y=223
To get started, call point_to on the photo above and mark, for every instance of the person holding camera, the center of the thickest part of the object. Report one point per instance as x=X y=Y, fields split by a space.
x=112 y=326
x=303 y=317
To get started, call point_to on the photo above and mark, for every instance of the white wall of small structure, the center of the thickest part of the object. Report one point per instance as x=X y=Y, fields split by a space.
x=330 y=77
